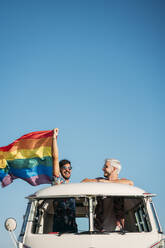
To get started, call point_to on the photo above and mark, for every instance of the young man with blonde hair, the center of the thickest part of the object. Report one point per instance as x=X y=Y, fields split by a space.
x=111 y=170
x=110 y=213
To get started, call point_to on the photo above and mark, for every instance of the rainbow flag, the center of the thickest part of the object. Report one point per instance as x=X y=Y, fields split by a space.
x=28 y=158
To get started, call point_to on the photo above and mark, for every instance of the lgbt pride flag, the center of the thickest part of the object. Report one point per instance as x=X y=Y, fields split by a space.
x=28 y=158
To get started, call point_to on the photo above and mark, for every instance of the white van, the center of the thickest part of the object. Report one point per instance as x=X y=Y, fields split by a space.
x=94 y=205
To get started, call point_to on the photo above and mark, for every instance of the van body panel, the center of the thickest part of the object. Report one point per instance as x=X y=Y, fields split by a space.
x=142 y=227
x=114 y=240
x=82 y=189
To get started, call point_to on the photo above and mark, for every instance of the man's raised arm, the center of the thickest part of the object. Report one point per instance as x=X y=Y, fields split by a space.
x=56 y=168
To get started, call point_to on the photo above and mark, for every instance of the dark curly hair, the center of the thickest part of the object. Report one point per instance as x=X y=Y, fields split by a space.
x=64 y=162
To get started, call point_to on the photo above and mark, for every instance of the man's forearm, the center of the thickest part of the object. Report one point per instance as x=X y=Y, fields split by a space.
x=56 y=169
x=87 y=180
x=124 y=181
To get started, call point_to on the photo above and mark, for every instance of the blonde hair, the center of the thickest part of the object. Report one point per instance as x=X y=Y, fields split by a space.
x=115 y=163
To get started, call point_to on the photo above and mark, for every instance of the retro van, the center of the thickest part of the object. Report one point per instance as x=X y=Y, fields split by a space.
x=96 y=206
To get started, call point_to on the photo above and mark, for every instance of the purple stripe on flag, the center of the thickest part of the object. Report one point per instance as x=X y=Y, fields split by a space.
x=7 y=180
x=34 y=181
x=37 y=180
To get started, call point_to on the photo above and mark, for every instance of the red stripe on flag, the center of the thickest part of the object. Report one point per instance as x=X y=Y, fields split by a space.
x=33 y=135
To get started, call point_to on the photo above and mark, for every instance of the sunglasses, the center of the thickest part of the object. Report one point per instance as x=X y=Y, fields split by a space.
x=105 y=166
x=66 y=168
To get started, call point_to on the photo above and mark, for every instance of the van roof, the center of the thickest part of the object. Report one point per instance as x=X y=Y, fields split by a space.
x=87 y=189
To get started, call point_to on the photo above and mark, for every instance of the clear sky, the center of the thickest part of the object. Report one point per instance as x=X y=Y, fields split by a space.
x=96 y=70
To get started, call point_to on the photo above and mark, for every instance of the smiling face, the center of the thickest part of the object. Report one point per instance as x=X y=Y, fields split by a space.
x=107 y=169
x=66 y=171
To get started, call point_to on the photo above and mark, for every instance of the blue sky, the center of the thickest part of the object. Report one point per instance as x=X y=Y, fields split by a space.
x=95 y=70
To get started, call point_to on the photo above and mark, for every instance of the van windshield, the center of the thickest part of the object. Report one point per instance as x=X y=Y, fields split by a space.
x=98 y=214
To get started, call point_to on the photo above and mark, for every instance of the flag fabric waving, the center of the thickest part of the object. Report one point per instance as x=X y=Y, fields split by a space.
x=28 y=158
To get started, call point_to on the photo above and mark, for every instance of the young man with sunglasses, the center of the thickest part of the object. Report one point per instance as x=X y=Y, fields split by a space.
x=62 y=169
x=64 y=209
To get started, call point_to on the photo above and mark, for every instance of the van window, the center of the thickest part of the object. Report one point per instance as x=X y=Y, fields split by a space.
x=71 y=215
x=131 y=212
x=54 y=216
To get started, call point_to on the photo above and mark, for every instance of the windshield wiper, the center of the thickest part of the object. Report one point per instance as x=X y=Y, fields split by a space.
x=61 y=233
x=93 y=232
x=122 y=232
